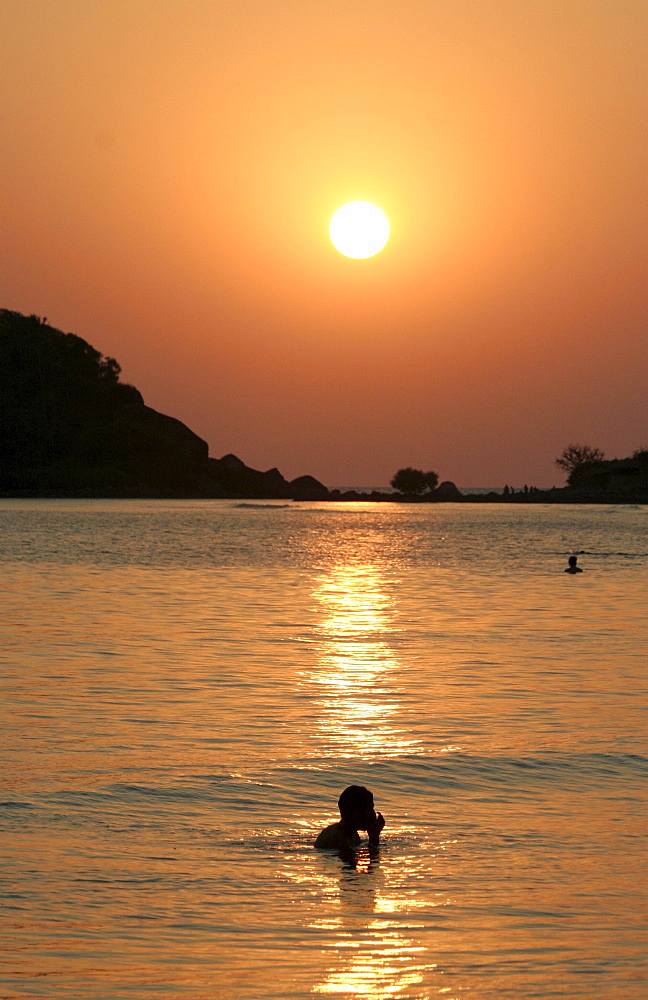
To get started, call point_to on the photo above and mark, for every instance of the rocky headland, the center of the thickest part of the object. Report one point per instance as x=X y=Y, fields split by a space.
x=70 y=427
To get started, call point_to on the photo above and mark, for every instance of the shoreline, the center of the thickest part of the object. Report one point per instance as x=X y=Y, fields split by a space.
x=564 y=496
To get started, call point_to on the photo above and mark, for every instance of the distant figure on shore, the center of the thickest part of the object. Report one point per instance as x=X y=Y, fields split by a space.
x=356 y=807
x=573 y=568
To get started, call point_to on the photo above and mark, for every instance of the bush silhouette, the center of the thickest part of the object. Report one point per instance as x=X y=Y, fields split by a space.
x=414 y=481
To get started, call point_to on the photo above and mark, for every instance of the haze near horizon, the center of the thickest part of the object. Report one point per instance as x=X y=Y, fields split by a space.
x=170 y=171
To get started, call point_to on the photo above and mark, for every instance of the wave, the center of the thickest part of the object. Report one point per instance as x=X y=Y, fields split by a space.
x=457 y=770
x=523 y=774
x=261 y=506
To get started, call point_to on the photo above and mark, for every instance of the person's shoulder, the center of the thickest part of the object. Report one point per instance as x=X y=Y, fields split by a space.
x=331 y=836
x=334 y=838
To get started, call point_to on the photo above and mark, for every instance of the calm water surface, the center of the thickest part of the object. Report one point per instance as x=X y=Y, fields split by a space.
x=186 y=687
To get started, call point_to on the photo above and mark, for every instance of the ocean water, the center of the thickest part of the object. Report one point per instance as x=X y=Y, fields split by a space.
x=186 y=687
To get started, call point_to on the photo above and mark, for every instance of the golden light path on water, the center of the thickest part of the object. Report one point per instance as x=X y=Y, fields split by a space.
x=357 y=669
x=373 y=950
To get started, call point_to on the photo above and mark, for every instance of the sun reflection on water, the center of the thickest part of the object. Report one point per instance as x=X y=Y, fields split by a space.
x=372 y=945
x=357 y=667
x=375 y=949
x=383 y=965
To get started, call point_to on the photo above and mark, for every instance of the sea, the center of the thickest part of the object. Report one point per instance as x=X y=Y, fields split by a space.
x=187 y=686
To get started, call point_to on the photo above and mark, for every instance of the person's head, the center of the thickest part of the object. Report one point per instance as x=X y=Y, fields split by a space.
x=572 y=560
x=356 y=807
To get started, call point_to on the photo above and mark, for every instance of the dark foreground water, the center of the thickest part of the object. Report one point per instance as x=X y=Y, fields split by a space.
x=186 y=688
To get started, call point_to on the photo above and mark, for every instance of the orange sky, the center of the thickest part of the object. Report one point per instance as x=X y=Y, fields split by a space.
x=169 y=170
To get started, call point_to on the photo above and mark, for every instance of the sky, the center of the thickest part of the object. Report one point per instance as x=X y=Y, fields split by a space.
x=169 y=169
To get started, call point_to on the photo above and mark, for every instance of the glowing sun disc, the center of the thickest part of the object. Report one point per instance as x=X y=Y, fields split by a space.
x=359 y=229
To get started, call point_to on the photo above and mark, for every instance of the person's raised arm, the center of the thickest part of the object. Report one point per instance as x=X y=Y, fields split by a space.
x=374 y=830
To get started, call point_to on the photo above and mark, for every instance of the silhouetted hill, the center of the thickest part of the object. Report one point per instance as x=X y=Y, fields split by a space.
x=68 y=426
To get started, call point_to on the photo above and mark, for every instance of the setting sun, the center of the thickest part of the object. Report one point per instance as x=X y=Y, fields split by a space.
x=359 y=229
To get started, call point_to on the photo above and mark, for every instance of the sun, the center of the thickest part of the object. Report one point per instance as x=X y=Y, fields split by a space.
x=359 y=229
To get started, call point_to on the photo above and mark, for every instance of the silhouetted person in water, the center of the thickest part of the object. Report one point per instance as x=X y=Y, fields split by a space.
x=356 y=807
x=573 y=568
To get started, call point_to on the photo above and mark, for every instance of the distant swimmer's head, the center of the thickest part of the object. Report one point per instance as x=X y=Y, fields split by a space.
x=356 y=805
x=572 y=560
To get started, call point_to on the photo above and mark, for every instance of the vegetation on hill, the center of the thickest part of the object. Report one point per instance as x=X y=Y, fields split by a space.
x=590 y=473
x=616 y=478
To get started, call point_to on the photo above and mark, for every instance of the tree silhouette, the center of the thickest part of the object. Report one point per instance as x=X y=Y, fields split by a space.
x=431 y=480
x=575 y=455
x=415 y=481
